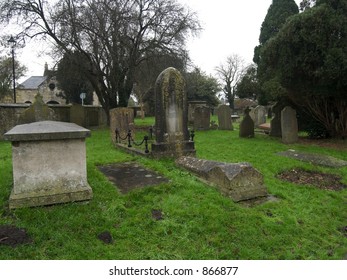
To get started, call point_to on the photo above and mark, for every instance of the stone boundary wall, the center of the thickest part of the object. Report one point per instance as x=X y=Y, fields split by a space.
x=9 y=115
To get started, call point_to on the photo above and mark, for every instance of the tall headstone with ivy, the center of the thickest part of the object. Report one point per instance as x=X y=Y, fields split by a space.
x=171 y=116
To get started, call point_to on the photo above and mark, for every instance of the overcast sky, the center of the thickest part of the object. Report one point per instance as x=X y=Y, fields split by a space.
x=229 y=27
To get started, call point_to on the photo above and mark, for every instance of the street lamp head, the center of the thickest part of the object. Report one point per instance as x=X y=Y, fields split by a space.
x=12 y=42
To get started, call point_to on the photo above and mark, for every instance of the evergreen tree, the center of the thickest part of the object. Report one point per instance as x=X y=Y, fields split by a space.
x=278 y=13
x=308 y=58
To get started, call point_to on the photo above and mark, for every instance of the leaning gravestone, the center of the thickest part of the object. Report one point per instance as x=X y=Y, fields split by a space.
x=246 y=125
x=289 y=125
x=49 y=164
x=121 y=119
x=202 y=118
x=239 y=181
x=38 y=111
x=224 y=118
x=171 y=116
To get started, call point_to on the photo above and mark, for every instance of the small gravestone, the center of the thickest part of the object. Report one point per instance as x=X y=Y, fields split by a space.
x=224 y=118
x=202 y=118
x=38 y=111
x=260 y=113
x=246 y=125
x=49 y=164
x=77 y=115
x=275 y=123
x=171 y=116
x=239 y=181
x=289 y=125
x=191 y=108
x=122 y=119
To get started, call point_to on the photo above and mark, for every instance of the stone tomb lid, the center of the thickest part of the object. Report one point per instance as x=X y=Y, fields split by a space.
x=46 y=130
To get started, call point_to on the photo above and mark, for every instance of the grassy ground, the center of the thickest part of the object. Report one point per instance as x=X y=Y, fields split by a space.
x=199 y=223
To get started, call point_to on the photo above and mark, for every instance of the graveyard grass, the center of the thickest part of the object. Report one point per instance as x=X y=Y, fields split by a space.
x=198 y=222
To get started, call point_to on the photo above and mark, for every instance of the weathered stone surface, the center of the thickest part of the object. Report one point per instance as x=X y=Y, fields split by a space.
x=46 y=130
x=171 y=116
x=289 y=125
x=123 y=120
x=246 y=125
x=260 y=115
x=239 y=181
x=38 y=111
x=191 y=108
x=78 y=115
x=224 y=118
x=49 y=164
x=322 y=160
x=202 y=118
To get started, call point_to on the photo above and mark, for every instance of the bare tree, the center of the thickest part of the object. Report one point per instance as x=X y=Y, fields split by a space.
x=230 y=74
x=115 y=36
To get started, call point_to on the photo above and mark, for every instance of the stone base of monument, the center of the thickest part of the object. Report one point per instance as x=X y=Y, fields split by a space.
x=50 y=197
x=175 y=150
x=239 y=181
x=49 y=164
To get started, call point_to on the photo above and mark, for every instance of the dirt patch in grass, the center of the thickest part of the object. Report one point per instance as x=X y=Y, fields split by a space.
x=106 y=237
x=13 y=236
x=320 y=180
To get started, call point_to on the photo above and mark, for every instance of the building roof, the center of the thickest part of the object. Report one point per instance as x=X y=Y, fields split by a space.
x=33 y=82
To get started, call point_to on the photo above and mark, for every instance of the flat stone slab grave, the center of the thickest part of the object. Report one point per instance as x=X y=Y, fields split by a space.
x=322 y=160
x=49 y=164
x=129 y=176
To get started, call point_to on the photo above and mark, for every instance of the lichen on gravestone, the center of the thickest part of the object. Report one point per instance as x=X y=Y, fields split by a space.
x=239 y=181
x=38 y=111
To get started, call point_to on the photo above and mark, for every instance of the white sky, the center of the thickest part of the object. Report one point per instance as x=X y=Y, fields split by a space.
x=229 y=27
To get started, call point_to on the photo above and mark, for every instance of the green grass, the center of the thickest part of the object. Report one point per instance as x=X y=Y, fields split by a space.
x=199 y=223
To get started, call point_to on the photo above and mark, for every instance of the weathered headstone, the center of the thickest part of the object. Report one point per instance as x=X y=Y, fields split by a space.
x=260 y=112
x=38 y=111
x=258 y=115
x=239 y=181
x=49 y=164
x=78 y=115
x=171 y=116
x=224 y=118
x=275 y=123
x=121 y=119
x=202 y=118
x=191 y=108
x=246 y=125
x=289 y=125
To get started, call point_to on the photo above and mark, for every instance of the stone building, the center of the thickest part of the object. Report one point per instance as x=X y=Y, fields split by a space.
x=45 y=85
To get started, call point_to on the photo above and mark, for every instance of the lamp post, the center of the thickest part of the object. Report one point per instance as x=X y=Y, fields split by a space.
x=12 y=43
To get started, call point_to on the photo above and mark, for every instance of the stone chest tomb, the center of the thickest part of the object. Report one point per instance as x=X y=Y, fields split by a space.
x=49 y=164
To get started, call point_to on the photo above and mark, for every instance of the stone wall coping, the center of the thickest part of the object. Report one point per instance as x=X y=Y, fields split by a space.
x=46 y=130
x=15 y=105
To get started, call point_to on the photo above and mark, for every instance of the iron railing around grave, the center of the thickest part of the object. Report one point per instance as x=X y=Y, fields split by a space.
x=130 y=140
